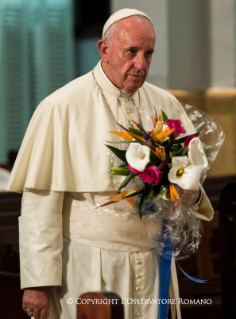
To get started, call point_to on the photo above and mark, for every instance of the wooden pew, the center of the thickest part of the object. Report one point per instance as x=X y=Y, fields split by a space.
x=228 y=249
x=10 y=293
x=10 y=205
x=206 y=263
x=11 y=296
x=100 y=305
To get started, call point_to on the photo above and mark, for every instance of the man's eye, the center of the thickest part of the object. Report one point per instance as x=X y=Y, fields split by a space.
x=132 y=51
x=149 y=53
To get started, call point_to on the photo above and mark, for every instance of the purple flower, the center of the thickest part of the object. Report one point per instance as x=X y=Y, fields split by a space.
x=133 y=170
x=151 y=175
x=176 y=124
x=188 y=139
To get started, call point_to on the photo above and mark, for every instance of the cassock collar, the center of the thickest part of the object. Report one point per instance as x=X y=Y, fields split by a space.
x=110 y=88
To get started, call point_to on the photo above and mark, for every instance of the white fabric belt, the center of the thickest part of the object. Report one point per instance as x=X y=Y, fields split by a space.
x=107 y=229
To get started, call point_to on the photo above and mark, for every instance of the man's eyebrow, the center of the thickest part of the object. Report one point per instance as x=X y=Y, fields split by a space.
x=151 y=50
x=135 y=48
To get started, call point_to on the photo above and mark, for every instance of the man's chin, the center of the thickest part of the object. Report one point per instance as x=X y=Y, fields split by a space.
x=132 y=88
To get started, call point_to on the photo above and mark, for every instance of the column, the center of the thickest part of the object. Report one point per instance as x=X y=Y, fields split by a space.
x=182 y=53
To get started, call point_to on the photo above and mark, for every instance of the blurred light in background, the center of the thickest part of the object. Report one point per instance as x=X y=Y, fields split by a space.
x=87 y=52
x=14 y=75
x=44 y=44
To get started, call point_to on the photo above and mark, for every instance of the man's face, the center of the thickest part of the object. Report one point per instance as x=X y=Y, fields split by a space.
x=129 y=53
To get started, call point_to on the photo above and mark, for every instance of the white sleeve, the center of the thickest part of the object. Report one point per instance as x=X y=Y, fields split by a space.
x=41 y=240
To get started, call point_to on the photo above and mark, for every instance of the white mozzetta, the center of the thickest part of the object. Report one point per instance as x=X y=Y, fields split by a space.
x=63 y=148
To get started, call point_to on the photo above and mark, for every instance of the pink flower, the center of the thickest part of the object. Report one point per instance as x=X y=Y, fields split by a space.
x=176 y=124
x=133 y=170
x=188 y=139
x=151 y=175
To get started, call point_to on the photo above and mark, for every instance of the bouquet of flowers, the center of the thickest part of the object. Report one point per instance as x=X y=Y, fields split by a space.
x=166 y=165
x=163 y=174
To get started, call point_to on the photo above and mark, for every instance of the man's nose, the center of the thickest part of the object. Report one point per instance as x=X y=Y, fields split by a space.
x=140 y=62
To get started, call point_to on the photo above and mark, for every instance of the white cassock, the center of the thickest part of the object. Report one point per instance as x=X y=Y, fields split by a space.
x=62 y=170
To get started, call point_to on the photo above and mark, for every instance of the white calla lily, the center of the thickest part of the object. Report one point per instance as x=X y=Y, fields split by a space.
x=196 y=153
x=186 y=171
x=138 y=156
x=184 y=174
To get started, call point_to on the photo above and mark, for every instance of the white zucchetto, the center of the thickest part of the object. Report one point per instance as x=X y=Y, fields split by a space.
x=122 y=14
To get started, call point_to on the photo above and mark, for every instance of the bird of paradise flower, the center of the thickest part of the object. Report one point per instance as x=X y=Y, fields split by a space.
x=162 y=148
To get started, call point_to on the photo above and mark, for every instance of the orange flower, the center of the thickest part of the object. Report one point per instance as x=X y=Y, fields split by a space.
x=153 y=121
x=132 y=121
x=128 y=136
x=124 y=135
x=131 y=201
x=157 y=129
x=159 y=119
x=126 y=195
x=174 y=194
x=122 y=195
x=137 y=136
x=164 y=134
x=158 y=126
x=160 y=152
x=118 y=197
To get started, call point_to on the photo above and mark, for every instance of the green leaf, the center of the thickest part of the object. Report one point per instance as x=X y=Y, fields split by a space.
x=120 y=171
x=135 y=131
x=177 y=147
x=135 y=193
x=180 y=151
x=169 y=165
x=144 y=197
x=182 y=139
x=154 y=159
x=162 y=193
x=173 y=154
x=156 y=190
x=210 y=150
x=164 y=116
x=166 y=142
x=185 y=149
x=127 y=180
x=119 y=153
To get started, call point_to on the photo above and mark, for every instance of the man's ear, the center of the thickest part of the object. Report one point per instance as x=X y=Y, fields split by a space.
x=103 y=49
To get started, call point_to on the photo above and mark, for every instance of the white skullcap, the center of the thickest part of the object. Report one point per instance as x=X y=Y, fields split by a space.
x=122 y=14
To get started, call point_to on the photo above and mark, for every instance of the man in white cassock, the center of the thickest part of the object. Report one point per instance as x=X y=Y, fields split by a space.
x=66 y=246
